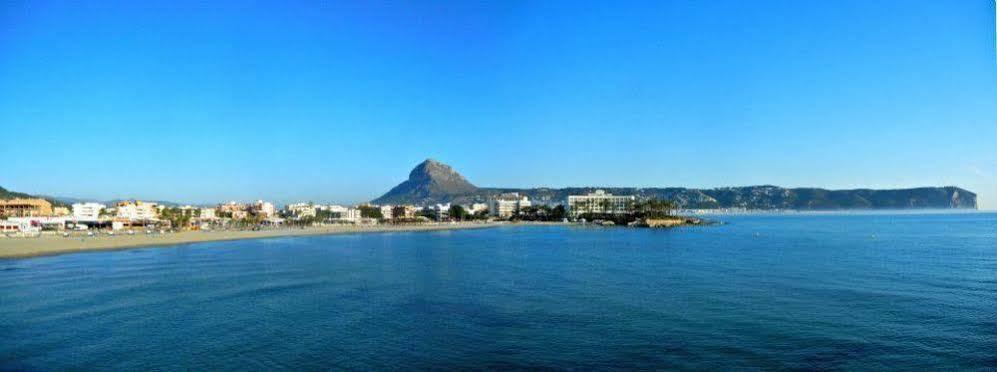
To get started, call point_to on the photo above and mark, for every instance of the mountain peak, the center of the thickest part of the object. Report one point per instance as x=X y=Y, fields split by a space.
x=434 y=170
x=430 y=180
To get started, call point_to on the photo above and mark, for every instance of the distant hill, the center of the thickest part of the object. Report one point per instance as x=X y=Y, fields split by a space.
x=433 y=182
x=61 y=201
x=160 y=202
x=7 y=194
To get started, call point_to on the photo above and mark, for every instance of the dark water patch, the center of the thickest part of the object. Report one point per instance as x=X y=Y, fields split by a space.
x=263 y=291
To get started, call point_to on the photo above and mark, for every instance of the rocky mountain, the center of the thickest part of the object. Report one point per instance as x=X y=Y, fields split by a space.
x=433 y=182
x=429 y=183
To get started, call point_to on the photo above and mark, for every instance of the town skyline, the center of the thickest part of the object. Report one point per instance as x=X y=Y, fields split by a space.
x=194 y=103
x=433 y=182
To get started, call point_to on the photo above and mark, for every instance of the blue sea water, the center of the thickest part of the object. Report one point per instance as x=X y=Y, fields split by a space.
x=857 y=292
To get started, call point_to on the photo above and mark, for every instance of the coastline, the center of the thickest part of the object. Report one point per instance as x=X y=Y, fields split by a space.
x=14 y=248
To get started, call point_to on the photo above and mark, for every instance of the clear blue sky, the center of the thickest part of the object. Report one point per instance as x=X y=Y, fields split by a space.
x=197 y=102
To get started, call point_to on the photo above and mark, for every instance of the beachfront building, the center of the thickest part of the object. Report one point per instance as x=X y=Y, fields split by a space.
x=599 y=202
x=386 y=212
x=137 y=210
x=25 y=207
x=208 y=214
x=403 y=212
x=442 y=211
x=337 y=211
x=263 y=209
x=40 y=223
x=301 y=210
x=233 y=210
x=231 y=207
x=87 y=211
x=9 y=227
x=350 y=214
x=507 y=204
x=60 y=211
x=331 y=208
x=476 y=207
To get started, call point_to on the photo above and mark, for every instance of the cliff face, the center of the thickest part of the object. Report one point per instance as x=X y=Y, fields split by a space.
x=433 y=182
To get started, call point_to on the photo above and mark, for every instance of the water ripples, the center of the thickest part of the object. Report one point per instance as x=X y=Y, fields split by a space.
x=804 y=292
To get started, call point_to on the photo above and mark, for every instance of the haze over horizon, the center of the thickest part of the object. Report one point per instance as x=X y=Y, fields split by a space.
x=205 y=103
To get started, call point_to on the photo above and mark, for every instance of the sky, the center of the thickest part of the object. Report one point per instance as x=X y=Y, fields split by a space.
x=203 y=102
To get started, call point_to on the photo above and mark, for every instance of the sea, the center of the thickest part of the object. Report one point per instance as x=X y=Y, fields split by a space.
x=877 y=291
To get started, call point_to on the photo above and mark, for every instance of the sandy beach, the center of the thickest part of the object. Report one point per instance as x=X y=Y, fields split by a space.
x=57 y=244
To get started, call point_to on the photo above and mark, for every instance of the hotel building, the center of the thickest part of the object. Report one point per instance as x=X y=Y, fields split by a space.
x=208 y=214
x=137 y=211
x=301 y=210
x=403 y=212
x=505 y=205
x=22 y=207
x=386 y=212
x=599 y=202
x=263 y=209
x=87 y=211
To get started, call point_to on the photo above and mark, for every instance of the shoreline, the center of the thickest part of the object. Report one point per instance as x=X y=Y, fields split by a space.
x=17 y=248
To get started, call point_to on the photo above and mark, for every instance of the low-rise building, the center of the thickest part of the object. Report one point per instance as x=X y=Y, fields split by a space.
x=599 y=202
x=87 y=211
x=9 y=227
x=263 y=209
x=25 y=207
x=507 y=204
x=351 y=214
x=208 y=214
x=231 y=207
x=387 y=212
x=442 y=210
x=40 y=223
x=403 y=212
x=137 y=210
x=302 y=210
x=476 y=207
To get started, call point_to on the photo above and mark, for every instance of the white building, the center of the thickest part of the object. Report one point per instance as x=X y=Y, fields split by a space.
x=30 y=224
x=386 y=212
x=208 y=214
x=333 y=208
x=476 y=207
x=137 y=210
x=599 y=202
x=404 y=211
x=302 y=210
x=87 y=211
x=264 y=209
x=351 y=214
x=505 y=205
x=442 y=210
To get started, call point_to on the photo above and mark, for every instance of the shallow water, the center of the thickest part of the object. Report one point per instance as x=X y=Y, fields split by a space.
x=813 y=292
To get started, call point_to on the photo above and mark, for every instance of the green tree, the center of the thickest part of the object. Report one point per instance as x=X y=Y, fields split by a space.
x=558 y=213
x=429 y=213
x=368 y=211
x=458 y=213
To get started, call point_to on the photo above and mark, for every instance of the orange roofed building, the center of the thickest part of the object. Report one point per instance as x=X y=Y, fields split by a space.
x=22 y=207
